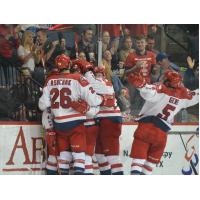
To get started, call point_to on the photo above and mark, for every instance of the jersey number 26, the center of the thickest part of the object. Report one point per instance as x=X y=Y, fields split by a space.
x=65 y=99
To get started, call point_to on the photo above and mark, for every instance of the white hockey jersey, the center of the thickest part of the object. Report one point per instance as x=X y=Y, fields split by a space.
x=163 y=105
x=91 y=116
x=103 y=86
x=60 y=90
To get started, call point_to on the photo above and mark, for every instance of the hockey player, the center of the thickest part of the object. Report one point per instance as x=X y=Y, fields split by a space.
x=47 y=123
x=92 y=140
x=90 y=127
x=66 y=94
x=52 y=153
x=110 y=120
x=163 y=102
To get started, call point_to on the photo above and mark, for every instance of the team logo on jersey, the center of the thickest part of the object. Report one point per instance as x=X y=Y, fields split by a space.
x=84 y=82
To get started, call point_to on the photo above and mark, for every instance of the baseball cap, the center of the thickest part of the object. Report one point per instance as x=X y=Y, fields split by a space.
x=161 y=56
x=174 y=67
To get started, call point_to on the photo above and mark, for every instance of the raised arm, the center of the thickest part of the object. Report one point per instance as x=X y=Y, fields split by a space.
x=148 y=92
x=194 y=100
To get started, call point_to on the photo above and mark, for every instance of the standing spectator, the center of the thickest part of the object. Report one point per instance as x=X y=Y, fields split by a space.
x=79 y=28
x=25 y=51
x=117 y=84
x=137 y=29
x=46 y=53
x=9 y=42
x=61 y=46
x=114 y=32
x=105 y=41
x=165 y=65
x=113 y=29
x=126 y=49
x=47 y=49
x=156 y=69
x=86 y=45
x=151 y=44
x=140 y=29
x=107 y=57
x=141 y=61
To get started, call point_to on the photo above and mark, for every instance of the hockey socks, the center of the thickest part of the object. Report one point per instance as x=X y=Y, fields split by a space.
x=104 y=166
x=52 y=165
x=79 y=163
x=95 y=165
x=88 y=165
x=148 y=168
x=63 y=162
x=142 y=167
x=116 y=165
x=137 y=166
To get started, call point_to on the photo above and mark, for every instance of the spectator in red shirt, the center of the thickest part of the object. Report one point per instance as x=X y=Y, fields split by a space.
x=113 y=29
x=139 y=61
x=8 y=40
x=126 y=48
x=137 y=29
x=140 y=29
x=9 y=43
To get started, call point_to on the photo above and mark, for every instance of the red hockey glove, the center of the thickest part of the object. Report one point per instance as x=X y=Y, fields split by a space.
x=108 y=100
x=50 y=139
x=80 y=106
x=137 y=80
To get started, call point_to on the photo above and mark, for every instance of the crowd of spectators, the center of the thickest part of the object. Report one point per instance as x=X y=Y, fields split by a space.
x=29 y=51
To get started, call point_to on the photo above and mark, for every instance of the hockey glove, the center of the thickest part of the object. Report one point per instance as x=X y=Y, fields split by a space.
x=137 y=80
x=80 y=106
x=50 y=139
x=108 y=100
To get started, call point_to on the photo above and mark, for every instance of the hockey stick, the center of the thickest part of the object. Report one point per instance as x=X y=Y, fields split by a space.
x=191 y=163
x=42 y=150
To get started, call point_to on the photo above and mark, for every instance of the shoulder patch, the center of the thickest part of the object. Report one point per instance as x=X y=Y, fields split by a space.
x=83 y=81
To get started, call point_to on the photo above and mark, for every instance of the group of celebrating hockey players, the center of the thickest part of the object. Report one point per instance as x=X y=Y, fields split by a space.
x=78 y=105
x=83 y=121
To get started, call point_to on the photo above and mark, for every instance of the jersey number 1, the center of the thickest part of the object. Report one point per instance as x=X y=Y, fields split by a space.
x=165 y=112
x=65 y=100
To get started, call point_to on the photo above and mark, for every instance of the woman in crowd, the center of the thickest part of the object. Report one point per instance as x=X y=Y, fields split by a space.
x=26 y=51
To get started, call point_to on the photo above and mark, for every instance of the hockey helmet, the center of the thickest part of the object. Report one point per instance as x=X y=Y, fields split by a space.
x=62 y=62
x=100 y=69
x=172 y=79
